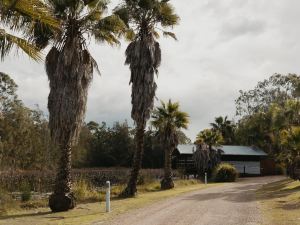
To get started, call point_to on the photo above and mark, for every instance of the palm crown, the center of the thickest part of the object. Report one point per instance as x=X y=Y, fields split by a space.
x=20 y=16
x=210 y=137
x=168 y=120
x=146 y=17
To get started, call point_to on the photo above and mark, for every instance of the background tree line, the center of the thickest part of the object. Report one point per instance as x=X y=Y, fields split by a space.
x=25 y=142
x=268 y=117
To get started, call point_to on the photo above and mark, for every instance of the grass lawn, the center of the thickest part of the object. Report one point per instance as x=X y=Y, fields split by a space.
x=95 y=212
x=280 y=202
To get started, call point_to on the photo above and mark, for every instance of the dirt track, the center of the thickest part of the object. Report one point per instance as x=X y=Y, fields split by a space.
x=229 y=204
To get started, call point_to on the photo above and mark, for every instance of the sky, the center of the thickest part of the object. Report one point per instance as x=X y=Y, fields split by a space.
x=223 y=46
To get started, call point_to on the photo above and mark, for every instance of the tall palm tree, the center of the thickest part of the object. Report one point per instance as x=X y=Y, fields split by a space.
x=168 y=121
x=143 y=55
x=225 y=127
x=70 y=66
x=20 y=16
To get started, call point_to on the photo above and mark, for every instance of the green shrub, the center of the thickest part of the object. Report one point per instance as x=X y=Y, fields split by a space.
x=25 y=192
x=225 y=172
x=280 y=169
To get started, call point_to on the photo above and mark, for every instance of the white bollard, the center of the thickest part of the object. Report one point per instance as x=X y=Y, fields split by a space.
x=205 y=178
x=107 y=196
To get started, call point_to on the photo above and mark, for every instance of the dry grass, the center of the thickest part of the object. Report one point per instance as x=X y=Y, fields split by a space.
x=90 y=212
x=280 y=202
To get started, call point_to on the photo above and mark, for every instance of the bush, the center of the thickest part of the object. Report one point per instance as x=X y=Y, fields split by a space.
x=225 y=172
x=25 y=192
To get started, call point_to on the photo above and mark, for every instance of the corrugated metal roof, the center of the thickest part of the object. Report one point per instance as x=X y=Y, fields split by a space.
x=242 y=150
x=186 y=149
x=227 y=150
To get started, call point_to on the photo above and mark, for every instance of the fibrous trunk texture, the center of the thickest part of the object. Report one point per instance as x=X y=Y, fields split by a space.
x=167 y=181
x=69 y=70
x=144 y=56
x=131 y=188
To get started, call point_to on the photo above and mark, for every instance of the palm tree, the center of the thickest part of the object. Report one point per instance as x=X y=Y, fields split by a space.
x=20 y=16
x=70 y=67
x=168 y=120
x=209 y=137
x=143 y=55
x=206 y=157
x=225 y=127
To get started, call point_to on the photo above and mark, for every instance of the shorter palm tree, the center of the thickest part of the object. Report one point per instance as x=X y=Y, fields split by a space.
x=168 y=120
x=210 y=137
x=206 y=157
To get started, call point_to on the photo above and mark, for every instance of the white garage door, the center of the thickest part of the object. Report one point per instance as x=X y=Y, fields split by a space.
x=251 y=167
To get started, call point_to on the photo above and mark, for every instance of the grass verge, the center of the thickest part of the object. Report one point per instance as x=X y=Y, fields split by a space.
x=280 y=202
x=91 y=212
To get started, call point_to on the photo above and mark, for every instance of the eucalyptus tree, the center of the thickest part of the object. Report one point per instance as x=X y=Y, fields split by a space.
x=19 y=17
x=70 y=67
x=277 y=89
x=143 y=55
x=168 y=120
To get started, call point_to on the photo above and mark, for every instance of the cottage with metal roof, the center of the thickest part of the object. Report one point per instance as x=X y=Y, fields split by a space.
x=248 y=160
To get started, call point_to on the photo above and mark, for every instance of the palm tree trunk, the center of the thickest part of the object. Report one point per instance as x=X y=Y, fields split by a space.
x=63 y=199
x=167 y=182
x=70 y=72
x=131 y=188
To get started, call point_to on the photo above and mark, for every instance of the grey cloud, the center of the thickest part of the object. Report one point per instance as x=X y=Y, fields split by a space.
x=239 y=26
x=201 y=71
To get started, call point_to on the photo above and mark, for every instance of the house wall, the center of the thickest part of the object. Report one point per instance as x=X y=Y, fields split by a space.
x=245 y=164
x=246 y=167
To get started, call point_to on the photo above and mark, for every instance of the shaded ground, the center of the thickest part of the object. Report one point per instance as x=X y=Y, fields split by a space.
x=229 y=204
x=91 y=212
x=280 y=202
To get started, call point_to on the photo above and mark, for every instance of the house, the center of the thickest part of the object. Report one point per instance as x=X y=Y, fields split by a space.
x=248 y=160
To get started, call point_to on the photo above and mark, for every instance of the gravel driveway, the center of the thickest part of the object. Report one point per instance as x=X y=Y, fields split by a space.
x=229 y=204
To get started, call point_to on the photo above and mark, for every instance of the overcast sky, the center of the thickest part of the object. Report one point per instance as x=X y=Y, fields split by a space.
x=223 y=46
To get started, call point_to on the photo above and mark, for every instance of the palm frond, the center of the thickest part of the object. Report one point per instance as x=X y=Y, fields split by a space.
x=170 y=34
x=8 y=41
x=28 y=10
x=109 y=29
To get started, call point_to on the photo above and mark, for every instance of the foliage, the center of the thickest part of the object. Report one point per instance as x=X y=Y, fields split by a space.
x=277 y=89
x=206 y=159
x=211 y=137
x=226 y=128
x=272 y=121
x=225 y=172
x=110 y=146
x=168 y=120
x=25 y=192
x=24 y=137
x=20 y=16
x=145 y=16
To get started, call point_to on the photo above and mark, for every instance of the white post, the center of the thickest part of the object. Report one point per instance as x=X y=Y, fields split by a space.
x=107 y=196
x=205 y=178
